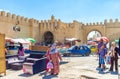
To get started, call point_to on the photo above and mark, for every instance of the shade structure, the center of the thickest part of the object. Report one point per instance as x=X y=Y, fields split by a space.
x=91 y=43
x=73 y=39
x=8 y=39
x=31 y=40
x=105 y=39
x=19 y=40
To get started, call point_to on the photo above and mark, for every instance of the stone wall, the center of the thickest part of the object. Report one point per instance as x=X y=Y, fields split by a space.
x=60 y=30
x=27 y=26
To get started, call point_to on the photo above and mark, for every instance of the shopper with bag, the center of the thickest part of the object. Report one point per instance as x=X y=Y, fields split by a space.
x=55 y=58
x=47 y=55
x=49 y=66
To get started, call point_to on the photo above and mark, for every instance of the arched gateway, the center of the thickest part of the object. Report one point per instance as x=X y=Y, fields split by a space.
x=48 y=37
x=76 y=29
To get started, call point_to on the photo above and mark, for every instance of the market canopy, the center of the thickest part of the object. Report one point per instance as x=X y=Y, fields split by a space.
x=72 y=39
x=105 y=39
x=8 y=39
x=91 y=43
x=20 y=40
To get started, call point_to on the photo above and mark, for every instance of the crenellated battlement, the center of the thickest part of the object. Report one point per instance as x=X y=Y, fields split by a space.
x=94 y=24
x=55 y=24
x=111 y=21
x=50 y=24
x=106 y=22
x=13 y=18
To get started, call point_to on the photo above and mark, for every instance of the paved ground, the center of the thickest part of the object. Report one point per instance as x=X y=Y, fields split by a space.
x=73 y=69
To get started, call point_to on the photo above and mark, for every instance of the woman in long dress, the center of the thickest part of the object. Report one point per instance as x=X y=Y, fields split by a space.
x=114 y=57
x=55 y=58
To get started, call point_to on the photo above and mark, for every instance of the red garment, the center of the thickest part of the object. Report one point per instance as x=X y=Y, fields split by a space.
x=55 y=60
x=48 y=58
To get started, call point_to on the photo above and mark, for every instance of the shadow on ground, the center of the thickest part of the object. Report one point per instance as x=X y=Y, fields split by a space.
x=114 y=73
x=63 y=62
x=25 y=75
x=47 y=76
x=86 y=77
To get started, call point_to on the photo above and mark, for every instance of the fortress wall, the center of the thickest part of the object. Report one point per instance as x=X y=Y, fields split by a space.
x=8 y=20
x=112 y=23
x=60 y=29
x=36 y=29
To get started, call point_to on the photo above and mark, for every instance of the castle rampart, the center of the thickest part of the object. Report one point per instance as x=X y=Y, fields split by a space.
x=31 y=27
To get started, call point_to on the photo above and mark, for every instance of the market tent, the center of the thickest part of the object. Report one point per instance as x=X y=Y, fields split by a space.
x=24 y=42
x=105 y=39
x=91 y=43
x=8 y=39
x=20 y=40
x=72 y=39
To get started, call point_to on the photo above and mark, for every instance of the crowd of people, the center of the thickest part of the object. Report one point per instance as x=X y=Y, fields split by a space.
x=106 y=57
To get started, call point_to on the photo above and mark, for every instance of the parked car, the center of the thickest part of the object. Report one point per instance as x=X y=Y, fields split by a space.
x=79 y=50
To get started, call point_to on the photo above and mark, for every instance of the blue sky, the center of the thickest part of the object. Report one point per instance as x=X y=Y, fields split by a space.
x=85 y=11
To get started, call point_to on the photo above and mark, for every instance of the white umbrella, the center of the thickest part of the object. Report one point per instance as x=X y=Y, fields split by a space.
x=20 y=40
x=71 y=39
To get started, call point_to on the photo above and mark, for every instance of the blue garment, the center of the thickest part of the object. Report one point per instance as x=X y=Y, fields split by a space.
x=102 y=52
x=108 y=59
x=102 y=61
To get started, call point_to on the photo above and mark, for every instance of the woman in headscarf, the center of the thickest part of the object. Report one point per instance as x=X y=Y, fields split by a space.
x=55 y=58
x=20 y=50
x=114 y=57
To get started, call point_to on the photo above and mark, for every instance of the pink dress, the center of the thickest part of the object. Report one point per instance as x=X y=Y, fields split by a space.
x=55 y=60
x=21 y=53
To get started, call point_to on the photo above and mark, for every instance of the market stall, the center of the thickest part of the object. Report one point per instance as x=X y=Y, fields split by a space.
x=13 y=44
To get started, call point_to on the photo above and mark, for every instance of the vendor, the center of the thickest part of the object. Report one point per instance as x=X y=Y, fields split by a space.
x=20 y=50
